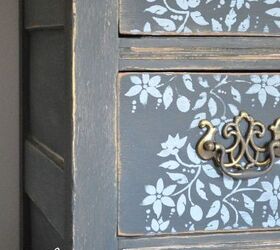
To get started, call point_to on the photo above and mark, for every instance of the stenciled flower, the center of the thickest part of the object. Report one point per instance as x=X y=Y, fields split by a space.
x=160 y=225
x=272 y=193
x=263 y=86
x=272 y=221
x=158 y=196
x=172 y=145
x=185 y=4
x=145 y=86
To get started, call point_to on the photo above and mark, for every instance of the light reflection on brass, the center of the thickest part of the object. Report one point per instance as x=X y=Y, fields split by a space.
x=244 y=158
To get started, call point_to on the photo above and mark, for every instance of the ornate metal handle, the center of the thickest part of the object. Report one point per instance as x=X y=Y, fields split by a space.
x=244 y=158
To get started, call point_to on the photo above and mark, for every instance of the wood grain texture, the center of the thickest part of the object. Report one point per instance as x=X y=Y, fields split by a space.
x=195 y=53
x=43 y=235
x=41 y=13
x=94 y=198
x=44 y=184
x=253 y=240
x=243 y=246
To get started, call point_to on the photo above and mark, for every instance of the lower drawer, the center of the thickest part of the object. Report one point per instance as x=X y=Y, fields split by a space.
x=164 y=185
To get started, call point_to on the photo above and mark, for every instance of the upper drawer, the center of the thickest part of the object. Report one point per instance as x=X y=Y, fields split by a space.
x=197 y=17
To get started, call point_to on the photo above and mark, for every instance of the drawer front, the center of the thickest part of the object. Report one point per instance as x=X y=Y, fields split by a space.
x=199 y=17
x=164 y=186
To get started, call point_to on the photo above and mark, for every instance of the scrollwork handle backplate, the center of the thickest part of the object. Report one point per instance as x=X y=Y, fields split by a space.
x=243 y=159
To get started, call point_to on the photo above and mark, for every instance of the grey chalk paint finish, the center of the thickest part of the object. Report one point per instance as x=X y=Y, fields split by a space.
x=199 y=17
x=165 y=188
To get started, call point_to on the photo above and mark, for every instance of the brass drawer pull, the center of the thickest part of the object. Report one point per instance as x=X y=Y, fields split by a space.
x=258 y=159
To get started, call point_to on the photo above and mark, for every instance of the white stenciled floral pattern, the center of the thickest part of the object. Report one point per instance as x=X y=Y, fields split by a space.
x=272 y=193
x=145 y=87
x=263 y=86
x=166 y=95
x=195 y=16
x=159 y=196
x=179 y=192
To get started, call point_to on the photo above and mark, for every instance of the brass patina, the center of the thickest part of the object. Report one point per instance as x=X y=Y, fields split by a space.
x=244 y=158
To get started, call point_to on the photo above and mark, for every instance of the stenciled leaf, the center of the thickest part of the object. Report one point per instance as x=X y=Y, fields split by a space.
x=210 y=171
x=236 y=94
x=225 y=214
x=212 y=106
x=249 y=203
x=164 y=225
x=274 y=12
x=203 y=82
x=244 y=25
x=234 y=110
x=212 y=225
x=262 y=96
x=246 y=217
x=188 y=82
x=216 y=26
x=166 y=24
x=134 y=90
x=171 y=165
x=167 y=97
x=181 y=205
x=252 y=182
x=198 y=18
x=154 y=81
x=192 y=155
x=201 y=101
x=255 y=88
x=230 y=19
x=239 y=4
x=270 y=1
x=214 y=209
x=178 y=177
x=215 y=189
x=155 y=225
x=157 y=9
x=199 y=189
x=228 y=182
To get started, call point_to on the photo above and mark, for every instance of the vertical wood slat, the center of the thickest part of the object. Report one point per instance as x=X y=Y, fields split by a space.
x=41 y=13
x=43 y=235
x=44 y=184
x=47 y=89
x=94 y=172
x=47 y=98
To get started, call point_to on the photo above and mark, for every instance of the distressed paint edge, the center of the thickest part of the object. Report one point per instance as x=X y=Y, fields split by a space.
x=74 y=112
x=121 y=76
